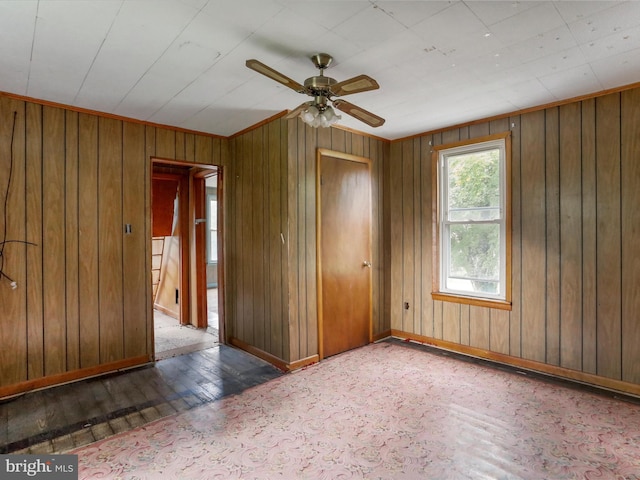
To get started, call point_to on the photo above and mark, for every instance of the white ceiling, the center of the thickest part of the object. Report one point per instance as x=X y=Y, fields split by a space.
x=182 y=62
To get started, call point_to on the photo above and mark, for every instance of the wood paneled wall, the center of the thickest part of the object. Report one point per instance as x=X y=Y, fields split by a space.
x=256 y=248
x=303 y=144
x=271 y=248
x=83 y=302
x=576 y=255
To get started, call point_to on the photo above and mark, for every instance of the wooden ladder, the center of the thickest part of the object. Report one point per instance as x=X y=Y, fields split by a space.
x=157 y=251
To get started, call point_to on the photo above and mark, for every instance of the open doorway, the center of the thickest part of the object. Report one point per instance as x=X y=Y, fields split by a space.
x=213 y=254
x=185 y=311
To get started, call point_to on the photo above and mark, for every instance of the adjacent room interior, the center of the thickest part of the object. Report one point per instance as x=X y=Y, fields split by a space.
x=437 y=278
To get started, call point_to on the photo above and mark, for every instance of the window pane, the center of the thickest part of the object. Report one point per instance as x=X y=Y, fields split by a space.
x=213 y=230
x=213 y=246
x=474 y=261
x=474 y=186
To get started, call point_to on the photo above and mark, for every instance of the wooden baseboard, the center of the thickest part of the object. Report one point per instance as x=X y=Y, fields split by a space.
x=266 y=356
x=272 y=359
x=165 y=310
x=531 y=365
x=303 y=362
x=73 y=376
x=382 y=335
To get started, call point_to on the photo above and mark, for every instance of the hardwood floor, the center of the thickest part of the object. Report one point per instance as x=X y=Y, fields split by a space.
x=61 y=418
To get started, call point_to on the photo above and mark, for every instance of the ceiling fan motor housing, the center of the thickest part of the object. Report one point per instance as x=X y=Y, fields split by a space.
x=319 y=83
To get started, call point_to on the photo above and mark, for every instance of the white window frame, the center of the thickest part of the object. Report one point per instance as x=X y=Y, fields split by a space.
x=443 y=223
x=212 y=228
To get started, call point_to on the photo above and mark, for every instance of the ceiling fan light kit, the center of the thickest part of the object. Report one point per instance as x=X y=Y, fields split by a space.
x=318 y=112
x=314 y=117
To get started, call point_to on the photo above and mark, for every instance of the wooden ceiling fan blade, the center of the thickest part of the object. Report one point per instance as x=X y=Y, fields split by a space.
x=360 y=113
x=296 y=111
x=361 y=83
x=274 y=75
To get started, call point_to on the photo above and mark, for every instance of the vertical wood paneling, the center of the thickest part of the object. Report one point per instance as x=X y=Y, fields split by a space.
x=451 y=322
x=499 y=126
x=408 y=237
x=589 y=238
x=418 y=289
x=265 y=171
x=479 y=327
x=357 y=145
x=300 y=338
x=53 y=241
x=339 y=140
x=499 y=331
x=35 y=314
x=570 y=243
x=465 y=325
x=276 y=250
x=309 y=322
x=110 y=230
x=13 y=318
x=479 y=130
x=230 y=174
x=267 y=238
x=285 y=213
x=515 y=321
x=630 y=228
x=190 y=147
x=552 y=231
x=165 y=143
x=608 y=235
x=294 y=128
x=306 y=142
x=533 y=236
x=499 y=319
x=135 y=268
x=88 y=240
x=181 y=152
x=574 y=180
x=257 y=249
x=149 y=149
x=386 y=246
x=371 y=149
x=426 y=241
x=438 y=319
x=72 y=260
x=437 y=139
x=203 y=149
x=247 y=251
x=83 y=296
x=396 y=226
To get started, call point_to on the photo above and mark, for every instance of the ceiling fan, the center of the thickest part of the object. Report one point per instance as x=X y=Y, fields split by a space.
x=318 y=112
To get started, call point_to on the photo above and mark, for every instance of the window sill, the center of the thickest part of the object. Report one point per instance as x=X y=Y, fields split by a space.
x=475 y=301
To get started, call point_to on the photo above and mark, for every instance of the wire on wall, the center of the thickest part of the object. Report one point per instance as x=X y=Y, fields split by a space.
x=5 y=214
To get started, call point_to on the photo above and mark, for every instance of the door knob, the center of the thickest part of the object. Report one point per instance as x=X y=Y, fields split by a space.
x=366 y=263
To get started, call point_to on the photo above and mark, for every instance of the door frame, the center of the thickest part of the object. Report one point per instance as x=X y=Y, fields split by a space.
x=325 y=152
x=193 y=285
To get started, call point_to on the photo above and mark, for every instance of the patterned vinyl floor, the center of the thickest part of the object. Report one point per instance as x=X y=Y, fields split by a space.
x=391 y=411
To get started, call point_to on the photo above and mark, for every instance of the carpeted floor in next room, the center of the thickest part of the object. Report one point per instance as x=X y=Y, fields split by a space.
x=387 y=410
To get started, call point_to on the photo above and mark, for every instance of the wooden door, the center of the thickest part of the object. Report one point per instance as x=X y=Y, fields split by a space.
x=344 y=252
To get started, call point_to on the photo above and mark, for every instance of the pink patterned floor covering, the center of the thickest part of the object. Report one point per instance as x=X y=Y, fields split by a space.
x=390 y=412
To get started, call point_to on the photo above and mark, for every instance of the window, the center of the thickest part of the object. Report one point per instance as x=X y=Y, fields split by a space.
x=212 y=225
x=212 y=218
x=472 y=228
